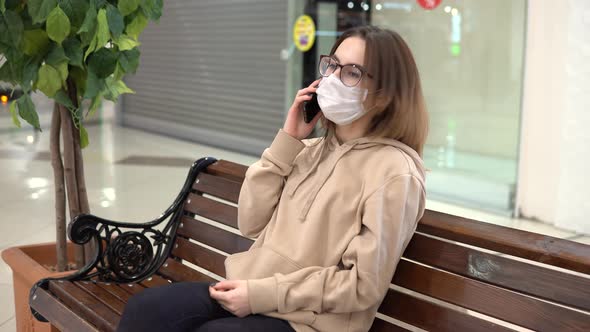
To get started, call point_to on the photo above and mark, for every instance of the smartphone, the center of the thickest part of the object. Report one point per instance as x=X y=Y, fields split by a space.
x=311 y=108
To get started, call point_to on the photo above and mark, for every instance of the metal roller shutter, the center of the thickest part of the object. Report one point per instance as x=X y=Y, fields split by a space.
x=211 y=72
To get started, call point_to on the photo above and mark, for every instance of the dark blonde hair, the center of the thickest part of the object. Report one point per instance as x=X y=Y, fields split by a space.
x=395 y=93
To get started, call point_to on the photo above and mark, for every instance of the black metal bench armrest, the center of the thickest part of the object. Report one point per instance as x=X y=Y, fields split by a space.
x=132 y=255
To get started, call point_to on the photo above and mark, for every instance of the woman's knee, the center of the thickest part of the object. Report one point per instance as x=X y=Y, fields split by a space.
x=148 y=305
x=147 y=298
x=219 y=325
x=248 y=324
x=161 y=305
x=139 y=312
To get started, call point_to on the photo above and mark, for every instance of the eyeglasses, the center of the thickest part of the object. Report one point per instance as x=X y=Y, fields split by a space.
x=350 y=75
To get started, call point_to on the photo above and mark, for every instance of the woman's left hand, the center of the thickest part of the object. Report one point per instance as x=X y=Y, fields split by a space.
x=232 y=295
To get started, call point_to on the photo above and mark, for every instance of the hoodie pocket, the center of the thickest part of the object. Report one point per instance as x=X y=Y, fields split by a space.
x=329 y=321
x=258 y=263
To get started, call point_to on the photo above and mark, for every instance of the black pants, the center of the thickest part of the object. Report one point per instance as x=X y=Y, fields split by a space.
x=187 y=306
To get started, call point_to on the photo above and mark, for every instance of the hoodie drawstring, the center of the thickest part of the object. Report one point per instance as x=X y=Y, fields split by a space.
x=321 y=183
x=310 y=171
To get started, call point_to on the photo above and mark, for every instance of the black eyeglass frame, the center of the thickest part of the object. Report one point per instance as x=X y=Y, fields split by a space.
x=338 y=65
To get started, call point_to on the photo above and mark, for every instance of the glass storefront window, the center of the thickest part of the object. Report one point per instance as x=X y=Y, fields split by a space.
x=470 y=57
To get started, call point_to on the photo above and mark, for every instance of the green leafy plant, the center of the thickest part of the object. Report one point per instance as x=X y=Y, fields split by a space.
x=72 y=51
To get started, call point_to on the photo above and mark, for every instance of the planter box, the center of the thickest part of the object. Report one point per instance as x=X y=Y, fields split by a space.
x=29 y=264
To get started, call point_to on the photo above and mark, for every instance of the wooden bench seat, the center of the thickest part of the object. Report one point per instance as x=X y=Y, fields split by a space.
x=456 y=274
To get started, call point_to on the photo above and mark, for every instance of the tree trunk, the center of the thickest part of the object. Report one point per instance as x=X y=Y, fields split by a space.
x=89 y=248
x=60 y=193
x=72 y=169
x=68 y=131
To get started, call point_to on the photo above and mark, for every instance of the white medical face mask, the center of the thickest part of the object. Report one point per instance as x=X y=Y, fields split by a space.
x=340 y=104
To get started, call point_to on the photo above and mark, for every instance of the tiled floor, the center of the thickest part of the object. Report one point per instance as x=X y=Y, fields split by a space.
x=131 y=175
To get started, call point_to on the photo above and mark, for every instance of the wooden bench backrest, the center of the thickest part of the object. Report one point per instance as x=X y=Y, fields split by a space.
x=456 y=274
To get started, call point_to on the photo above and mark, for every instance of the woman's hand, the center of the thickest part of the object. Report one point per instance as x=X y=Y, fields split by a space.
x=232 y=295
x=294 y=125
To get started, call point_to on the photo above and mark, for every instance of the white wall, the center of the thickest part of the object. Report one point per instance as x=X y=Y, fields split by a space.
x=554 y=184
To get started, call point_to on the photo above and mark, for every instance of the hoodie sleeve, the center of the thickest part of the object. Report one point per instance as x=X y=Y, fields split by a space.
x=389 y=219
x=264 y=182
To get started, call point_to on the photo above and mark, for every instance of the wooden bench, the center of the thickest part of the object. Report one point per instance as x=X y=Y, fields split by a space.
x=456 y=274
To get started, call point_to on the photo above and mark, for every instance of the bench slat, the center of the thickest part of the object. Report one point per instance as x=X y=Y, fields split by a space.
x=154 y=281
x=218 y=186
x=508 y=273
x=379 y=325
x=116 y=291
x=229 y=170
x=432 y=317
x=215 y=237
x=490 y=300
x=214 y=210
x=102 y=295
x=176 y=271
x=541 y=248
x=132 y=289
x=60 y=315
x=200 y=256
x=85 y=305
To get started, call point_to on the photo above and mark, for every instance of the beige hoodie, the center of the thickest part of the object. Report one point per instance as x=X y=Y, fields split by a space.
x=332 y=221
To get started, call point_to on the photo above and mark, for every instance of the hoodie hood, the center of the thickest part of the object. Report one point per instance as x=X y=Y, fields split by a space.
x=369 y=142
x=340 y=150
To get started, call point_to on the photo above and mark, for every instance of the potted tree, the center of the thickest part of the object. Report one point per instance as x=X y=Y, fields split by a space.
x=77 y=53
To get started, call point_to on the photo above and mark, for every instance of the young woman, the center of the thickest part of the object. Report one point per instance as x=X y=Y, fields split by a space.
x=332 y=216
